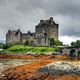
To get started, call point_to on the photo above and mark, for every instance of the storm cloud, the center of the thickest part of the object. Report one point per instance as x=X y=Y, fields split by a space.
x=25 y=14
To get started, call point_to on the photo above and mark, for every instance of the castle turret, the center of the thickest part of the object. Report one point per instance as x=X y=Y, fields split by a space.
x=13 y=37
x=46 y=29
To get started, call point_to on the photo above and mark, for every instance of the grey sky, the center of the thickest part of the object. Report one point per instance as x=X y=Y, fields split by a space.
x=25 y=14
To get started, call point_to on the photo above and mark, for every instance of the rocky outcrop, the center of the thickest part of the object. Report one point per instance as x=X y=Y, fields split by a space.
x=24 y=72
x=45 y=70
x=59 y=68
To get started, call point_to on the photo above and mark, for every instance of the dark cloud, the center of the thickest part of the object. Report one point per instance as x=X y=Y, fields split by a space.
x=63 y=7
x=25 y=14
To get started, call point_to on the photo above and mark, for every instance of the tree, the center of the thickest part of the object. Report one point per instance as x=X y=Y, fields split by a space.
x=58 y=43
x=52 y=42
x=55 y=42
x=77 y=43
x=73 y=43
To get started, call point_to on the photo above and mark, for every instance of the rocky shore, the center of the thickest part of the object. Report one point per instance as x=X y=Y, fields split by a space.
x=59 y=68
x=38 y=67
x=33 y=56
x=6 y=64
x=45 y=70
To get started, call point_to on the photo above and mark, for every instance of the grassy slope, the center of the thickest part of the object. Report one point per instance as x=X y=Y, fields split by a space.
x=25 y=49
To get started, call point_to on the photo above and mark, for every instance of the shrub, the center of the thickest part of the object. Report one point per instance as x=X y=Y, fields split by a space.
x=1 y=45
x=57 y=49
x=6 y=46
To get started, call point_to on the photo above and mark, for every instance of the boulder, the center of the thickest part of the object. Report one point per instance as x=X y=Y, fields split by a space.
x=59 y=68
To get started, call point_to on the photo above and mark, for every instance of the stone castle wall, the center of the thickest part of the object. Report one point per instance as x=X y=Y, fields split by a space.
x=45 y=30
x=13 y=37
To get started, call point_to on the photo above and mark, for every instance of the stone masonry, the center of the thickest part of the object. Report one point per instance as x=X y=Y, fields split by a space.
x=44 y=31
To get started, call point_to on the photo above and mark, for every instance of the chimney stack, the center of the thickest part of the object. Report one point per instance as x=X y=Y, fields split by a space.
x=41 y=21
x=51 y=18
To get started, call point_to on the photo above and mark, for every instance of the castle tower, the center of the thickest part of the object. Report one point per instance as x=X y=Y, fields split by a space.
x=46 y=30
x=13 y=37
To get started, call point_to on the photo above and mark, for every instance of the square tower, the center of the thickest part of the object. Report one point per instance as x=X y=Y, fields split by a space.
x=46 y=30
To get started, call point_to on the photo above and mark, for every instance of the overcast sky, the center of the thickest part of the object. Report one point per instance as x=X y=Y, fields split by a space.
x=26 y=14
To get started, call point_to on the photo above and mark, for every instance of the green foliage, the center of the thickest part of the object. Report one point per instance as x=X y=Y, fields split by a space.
x=73 y=43
x=54 y=42
x=24 y=49
x=1 y=45
x=43 y=49
x=77 y=43
x=57 y=49
x=19 y=48
x=5 y=46
x=58 y=43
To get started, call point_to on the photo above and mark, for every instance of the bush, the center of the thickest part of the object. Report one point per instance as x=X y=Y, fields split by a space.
x=54 y=42
x=77 y=43
x=1 y=45
x=6 y=46
x=57 y=49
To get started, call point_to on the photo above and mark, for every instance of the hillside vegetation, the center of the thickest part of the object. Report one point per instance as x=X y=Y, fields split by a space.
x=25 y=49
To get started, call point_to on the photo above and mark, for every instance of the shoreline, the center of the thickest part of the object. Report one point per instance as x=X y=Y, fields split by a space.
x=36 y=70
x=30 y=64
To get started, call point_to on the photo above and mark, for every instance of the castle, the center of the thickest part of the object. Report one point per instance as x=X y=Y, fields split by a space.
x=44 y=31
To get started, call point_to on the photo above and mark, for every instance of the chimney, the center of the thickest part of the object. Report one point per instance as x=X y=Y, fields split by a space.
x=41 y=21
x=51 y=18
x=9 y=31
x=18 y=29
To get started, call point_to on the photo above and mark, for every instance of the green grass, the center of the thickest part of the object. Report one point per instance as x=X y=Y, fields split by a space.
x=25 y=49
